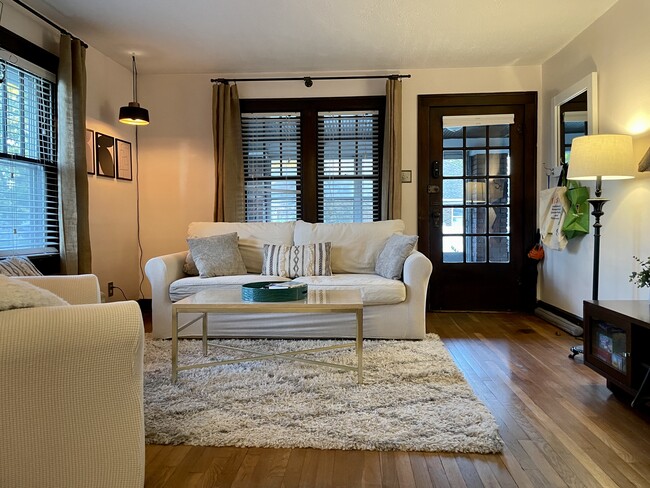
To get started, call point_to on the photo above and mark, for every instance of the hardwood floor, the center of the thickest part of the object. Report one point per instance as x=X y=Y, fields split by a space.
x=560 y=424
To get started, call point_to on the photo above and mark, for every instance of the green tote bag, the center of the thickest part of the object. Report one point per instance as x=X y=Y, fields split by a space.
x=576 y=222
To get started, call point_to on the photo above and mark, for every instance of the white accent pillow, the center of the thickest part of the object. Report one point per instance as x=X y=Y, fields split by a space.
x=20 y=294
x=293 y=261
x=390 y=262
x=217 y=255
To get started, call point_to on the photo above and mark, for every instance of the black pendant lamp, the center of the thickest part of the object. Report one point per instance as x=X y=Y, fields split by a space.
x=133 y=113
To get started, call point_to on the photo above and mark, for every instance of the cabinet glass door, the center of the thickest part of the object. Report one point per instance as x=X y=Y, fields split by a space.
x=609 y=345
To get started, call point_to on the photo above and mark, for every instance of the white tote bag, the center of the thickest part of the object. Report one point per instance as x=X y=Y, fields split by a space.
x=553 y=207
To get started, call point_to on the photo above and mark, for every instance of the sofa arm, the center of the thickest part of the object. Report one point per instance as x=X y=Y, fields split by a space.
x=72 y=396
x=417 y=271
x=74 y=289
x=416 y=275
x=162 y=271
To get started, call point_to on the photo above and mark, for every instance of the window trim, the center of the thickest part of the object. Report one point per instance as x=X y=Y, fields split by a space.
x=308 y=109
x=27 y=51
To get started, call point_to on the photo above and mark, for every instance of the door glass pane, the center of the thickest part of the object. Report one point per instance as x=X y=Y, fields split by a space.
x=475 y=249
x=477 y=136
x=475 y=192
x=500 y=249
x=498 y=191
x=476 y=221
x=452 y=192
x=499 y=162
x=452 y=163
x=499 y=135
x=452 y=249
x=499 y=220
x=452 y=137
x=475 y=165
x=452 y=220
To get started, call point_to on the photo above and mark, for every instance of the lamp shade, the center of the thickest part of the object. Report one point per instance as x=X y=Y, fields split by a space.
x=609 y=156
x=134 y=114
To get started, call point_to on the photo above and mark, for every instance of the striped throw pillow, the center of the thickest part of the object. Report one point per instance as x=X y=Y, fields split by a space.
x=294 y=261
x=18 y=266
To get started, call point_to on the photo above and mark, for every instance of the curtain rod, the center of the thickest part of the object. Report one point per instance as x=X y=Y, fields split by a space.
x=309 y=80
x=48 y=21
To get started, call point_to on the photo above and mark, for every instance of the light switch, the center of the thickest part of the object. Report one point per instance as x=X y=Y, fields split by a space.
x=406 y=176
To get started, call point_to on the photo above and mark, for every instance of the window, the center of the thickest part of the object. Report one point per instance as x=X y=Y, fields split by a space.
x=28 y=172
x=312 y=159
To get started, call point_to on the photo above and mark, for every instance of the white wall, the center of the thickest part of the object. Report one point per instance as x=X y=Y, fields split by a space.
x=112 y=202
x=615 y=47
x=176 y=159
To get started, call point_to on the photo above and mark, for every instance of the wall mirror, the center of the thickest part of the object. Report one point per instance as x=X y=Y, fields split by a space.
x=575 y=113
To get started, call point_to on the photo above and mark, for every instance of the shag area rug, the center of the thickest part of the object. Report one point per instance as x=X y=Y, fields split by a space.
x=413 y=398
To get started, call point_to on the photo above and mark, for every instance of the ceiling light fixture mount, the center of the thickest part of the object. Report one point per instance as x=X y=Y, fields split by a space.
x=133 y=114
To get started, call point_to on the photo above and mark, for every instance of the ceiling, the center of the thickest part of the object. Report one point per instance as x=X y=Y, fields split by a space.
x=307 y=36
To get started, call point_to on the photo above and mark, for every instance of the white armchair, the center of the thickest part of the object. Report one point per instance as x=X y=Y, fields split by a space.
x=72 y=397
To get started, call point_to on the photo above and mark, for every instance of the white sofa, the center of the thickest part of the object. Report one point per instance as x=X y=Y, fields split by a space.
x=71 y=383
x=393 y=309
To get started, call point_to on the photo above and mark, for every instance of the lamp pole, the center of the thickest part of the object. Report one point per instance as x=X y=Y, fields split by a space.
x=597 y=204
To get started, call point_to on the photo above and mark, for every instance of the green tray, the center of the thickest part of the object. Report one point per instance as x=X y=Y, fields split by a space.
x=257 y=292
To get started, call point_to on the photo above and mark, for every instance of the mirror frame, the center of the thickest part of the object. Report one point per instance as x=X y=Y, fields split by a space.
x=588 y=84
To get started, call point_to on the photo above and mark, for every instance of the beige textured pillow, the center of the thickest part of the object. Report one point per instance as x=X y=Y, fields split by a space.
x=20 y=294
x=217 y=255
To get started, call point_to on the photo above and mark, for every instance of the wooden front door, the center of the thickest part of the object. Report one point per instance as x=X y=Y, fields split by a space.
x=477 y=199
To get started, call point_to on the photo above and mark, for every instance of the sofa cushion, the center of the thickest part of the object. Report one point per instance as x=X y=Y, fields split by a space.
x=15 y=293
x=355 y=246
x=252 y=237
x=18 y=266
x=390 y=262
x=375 y=290
x=293 y=261
x=185 y=287
x=217 y=255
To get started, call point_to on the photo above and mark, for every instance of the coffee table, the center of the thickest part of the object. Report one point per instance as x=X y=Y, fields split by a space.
x=215 y=301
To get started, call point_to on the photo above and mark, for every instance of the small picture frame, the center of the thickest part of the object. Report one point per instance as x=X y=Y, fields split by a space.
x=105 y=155
x=124 y=161
x=406 y=176
x=90 y=152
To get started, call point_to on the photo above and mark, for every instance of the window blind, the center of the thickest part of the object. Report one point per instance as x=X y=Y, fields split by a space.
x=272 y=166
x=28 y=172
x=348 y=166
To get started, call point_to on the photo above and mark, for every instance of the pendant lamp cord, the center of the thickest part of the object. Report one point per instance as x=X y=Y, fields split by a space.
x=135 y=79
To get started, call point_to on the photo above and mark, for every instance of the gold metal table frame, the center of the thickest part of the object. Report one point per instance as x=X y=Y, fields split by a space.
x=215 y=301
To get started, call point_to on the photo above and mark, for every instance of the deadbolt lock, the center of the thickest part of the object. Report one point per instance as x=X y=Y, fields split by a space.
x=433 y=189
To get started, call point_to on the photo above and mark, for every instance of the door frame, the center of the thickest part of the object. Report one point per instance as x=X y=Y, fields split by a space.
x=528 y=100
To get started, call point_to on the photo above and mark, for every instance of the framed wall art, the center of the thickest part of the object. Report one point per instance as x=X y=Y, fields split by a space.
x=90 y=152
x=123 y=158
x=105 y=155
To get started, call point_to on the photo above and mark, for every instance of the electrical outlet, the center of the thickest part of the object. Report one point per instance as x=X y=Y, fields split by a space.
x=110 y=288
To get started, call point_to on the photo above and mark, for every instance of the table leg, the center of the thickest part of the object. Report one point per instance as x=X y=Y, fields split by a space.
x=205 y=334
x=174 y=346
x=359 y=346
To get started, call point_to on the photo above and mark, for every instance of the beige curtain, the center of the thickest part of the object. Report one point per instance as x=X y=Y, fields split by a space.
x=73 y=181
x=229 y=170
x=391 y=190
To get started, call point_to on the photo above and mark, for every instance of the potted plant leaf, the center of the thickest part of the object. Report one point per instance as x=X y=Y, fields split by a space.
x=641 y=278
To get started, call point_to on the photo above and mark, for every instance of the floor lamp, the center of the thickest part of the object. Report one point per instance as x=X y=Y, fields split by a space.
x=596 y=158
